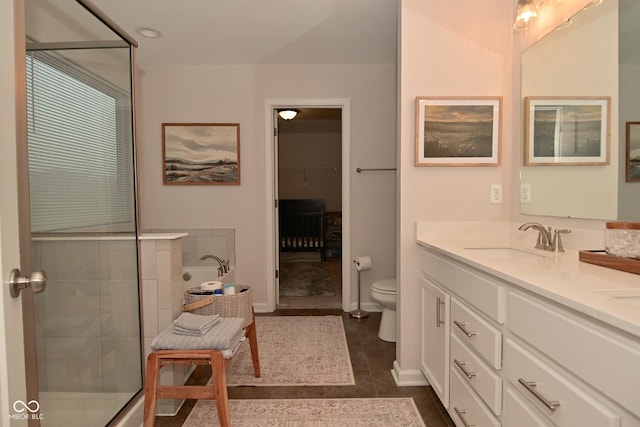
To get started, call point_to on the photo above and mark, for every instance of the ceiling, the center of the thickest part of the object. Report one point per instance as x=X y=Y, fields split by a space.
x=220 y=32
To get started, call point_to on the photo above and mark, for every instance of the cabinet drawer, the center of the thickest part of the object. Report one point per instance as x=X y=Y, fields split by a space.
x=596 y=355
x=477 y=333
x=477 y=374
x=548 y=388
x=519 y=413
x=466 y=407
x=482 y=293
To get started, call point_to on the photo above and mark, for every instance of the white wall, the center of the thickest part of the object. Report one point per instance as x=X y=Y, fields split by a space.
x=447 y=49
x=236 y=94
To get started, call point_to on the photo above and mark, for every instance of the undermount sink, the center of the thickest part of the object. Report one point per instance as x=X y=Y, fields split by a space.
x=506 y=252
x=630 y=296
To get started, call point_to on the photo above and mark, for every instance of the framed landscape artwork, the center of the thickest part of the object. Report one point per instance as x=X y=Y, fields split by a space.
x=452 y=131
x=201 y=153
x=567 y=131
x=633 y=152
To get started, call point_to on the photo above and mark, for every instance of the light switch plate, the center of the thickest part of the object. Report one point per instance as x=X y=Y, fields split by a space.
x=525 y=193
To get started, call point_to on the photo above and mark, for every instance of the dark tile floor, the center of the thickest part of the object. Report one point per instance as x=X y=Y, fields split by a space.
x=372 y=360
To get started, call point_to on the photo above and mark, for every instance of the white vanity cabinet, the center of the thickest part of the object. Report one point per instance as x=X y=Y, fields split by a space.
x=518 y=359
x=434 y=345
x=466 y=350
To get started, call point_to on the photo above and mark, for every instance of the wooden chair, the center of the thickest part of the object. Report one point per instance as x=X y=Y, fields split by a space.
x=216 y=390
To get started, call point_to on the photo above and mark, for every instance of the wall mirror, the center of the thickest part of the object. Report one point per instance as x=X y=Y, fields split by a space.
x=595 y=55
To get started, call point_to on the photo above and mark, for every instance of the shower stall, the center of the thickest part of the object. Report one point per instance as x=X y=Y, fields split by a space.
x=83 y=333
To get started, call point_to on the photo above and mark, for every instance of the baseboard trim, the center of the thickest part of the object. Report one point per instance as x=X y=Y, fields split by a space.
x=408 y=377
x=366 y=306
x=260 y=307
x=371 y=307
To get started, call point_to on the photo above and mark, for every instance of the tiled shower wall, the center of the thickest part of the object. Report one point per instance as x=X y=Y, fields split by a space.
x=87 y=319
x=162 y=298
x=220 y=242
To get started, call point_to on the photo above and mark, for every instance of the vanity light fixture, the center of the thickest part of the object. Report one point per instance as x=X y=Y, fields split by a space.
x=546 y=4
x=288 y=113
x=526 y=13
x=148 y=32
x=564 y=24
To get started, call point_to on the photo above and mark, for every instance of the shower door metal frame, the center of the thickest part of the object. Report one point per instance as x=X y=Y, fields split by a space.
x=31 y=362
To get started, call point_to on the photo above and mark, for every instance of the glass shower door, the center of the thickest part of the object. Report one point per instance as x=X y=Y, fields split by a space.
x=82 y=217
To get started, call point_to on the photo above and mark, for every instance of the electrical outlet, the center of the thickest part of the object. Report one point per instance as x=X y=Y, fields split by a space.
x=496 y=194
x=525 y=193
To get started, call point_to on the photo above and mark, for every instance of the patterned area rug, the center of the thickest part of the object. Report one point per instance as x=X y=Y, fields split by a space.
x=295 y=351
x=303 y=279
x=400 y=412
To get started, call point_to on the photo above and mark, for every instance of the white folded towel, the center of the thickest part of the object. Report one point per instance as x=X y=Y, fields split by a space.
x=194 y=324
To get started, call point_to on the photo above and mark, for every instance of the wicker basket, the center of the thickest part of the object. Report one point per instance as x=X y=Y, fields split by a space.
x=238 y=305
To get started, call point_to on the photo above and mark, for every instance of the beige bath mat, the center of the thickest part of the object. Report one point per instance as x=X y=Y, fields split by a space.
x=295 y=351
x=401 y=412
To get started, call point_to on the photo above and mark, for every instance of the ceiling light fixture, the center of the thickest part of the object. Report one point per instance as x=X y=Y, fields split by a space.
x=148 y=32
x=526 y=13
x=288 y=113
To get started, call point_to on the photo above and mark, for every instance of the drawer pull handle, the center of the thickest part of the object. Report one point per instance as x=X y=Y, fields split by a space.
x=462 y=326
x=439 y=302
x=461 y=365
x=461 y=413
x=552 y=405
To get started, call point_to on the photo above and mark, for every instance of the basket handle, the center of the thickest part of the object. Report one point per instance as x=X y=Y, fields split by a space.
x=197 y=304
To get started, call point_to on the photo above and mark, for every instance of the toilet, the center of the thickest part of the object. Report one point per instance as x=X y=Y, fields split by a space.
x=383 y=292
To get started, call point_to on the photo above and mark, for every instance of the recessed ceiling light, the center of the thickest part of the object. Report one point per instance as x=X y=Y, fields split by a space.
x=148 y=32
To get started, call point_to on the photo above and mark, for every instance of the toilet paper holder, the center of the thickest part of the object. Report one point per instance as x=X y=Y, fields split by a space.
x=362 y=264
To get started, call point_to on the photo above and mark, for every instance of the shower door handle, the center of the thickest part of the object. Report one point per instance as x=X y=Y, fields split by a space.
x=37 y=281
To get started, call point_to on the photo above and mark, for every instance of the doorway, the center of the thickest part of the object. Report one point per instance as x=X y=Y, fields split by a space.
x=272 y=187
x=309 y=187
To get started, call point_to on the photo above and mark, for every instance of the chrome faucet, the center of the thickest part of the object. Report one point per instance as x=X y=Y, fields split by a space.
x=224 y=265
x=545 y=240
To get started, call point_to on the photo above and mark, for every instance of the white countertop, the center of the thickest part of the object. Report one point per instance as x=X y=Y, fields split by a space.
x=561 y=277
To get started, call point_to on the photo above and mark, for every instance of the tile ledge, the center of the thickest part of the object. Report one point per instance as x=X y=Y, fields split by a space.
x=162 y=236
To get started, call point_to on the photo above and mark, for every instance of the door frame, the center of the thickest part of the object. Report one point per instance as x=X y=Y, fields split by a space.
x=270 y=179
x=12 y=130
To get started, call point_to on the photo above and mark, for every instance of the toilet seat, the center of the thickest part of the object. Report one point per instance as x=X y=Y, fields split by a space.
x=387 y=286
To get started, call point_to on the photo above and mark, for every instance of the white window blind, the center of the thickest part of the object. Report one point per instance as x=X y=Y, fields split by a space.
x=80 y=151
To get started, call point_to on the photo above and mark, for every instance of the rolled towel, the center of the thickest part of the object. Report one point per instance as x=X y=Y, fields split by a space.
x=222 y=336
x=194 y=324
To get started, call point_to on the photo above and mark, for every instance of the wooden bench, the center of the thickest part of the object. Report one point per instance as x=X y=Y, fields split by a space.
x=216 y=390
